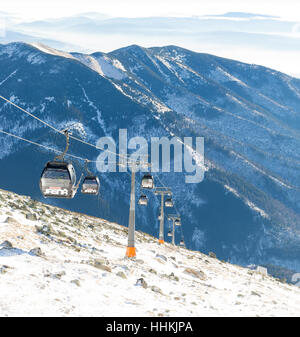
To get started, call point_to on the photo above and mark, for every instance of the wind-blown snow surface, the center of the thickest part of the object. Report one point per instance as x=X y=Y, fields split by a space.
x=80 y=270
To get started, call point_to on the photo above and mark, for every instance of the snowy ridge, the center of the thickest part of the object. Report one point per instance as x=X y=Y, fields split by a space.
x=57 y=263
x=45 y=49
x=248 y=202
x=104 y=65
x=220 y=75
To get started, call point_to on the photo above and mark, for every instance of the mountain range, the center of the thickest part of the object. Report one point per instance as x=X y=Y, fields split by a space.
x=249 y=37
x=247 y=209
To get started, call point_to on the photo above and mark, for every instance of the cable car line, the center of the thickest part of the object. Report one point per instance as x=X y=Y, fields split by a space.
x=47 y=147
x=59 y=131
x=147 y=179
x=40 y=145
x=73 y=156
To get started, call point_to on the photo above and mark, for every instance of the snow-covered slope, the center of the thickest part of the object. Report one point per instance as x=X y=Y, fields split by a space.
x=57 y=263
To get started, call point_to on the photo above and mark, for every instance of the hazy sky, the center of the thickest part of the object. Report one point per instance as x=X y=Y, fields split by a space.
x=36 y=9
x=284 y=60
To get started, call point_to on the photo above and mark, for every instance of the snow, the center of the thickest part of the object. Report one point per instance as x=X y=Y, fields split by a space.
x=118 y=87
x=65 y=281
x=220 y=75
x=99 y=113
x=248 y=202
x=197 y=157
x=11 y=50
x=198 y=238
x=90 y=62
x=45 y=49
x=142 y=98
x=170 y=67
x=276 y=180
x=50 y=99
x=111 y=68
x=273 y=102
x=34 y=58
x=103 y=65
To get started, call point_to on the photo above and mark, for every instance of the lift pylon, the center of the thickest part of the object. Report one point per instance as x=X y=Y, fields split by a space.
x=162 y=191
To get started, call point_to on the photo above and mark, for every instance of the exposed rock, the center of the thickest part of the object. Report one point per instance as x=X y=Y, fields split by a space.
x=56 y=275
x=62 y=234
x=99 y=261
x=77 y=249
x=4 y=269
x=105 y=268
x=45 y=229
x=173 y=277
x=141 y=282
x=31 y=216
x=140 y=261
x=152 y=271
x=121 y=274
x=100 y=264
x=162 y=257
x=6 y=244
x=156 y=290
x=254 y=293
x=196 y=273
x=212 y=254
x=77 y=282
x=36 y=252
x=11 y=220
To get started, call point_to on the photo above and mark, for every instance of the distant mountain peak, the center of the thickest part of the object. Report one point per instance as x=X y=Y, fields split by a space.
x=244 y=15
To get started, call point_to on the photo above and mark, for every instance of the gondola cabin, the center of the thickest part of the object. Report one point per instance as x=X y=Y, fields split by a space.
x=177 y=222
x=58 y=180
x=90 y=185
x=148 y=181
x=181 y=243
x=170 y=233
x=143 y=200
x=169 y=202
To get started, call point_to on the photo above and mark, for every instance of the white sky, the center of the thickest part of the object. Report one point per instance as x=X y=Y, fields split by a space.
x=285 y=61
x=37 y=9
